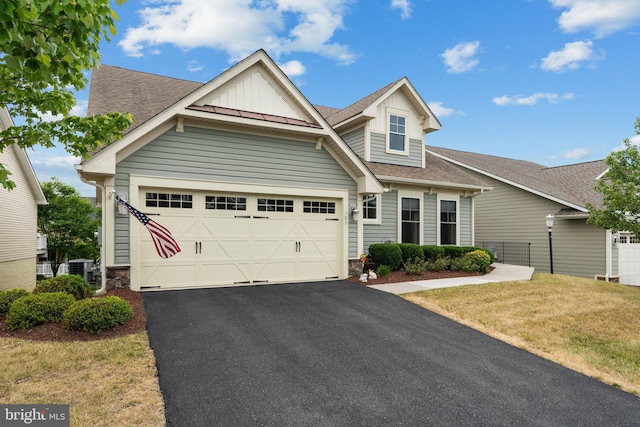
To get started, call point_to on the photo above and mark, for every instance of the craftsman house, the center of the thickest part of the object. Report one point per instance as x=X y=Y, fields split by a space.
x=258 y=185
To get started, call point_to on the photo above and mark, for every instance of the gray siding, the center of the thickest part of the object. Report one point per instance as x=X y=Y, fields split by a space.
x=465 y=221
x=430 y=219
x=355 y=140
x=122 y=224
x=379 y=154
x=509 y=214
x=388 y=229
x=213 y=155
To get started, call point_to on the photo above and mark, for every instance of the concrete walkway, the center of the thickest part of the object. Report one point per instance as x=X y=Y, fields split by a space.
x=500 y=273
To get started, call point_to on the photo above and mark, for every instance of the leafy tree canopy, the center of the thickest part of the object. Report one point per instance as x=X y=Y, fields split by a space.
x=70 y=222
x=620 y=188
x=46 y=48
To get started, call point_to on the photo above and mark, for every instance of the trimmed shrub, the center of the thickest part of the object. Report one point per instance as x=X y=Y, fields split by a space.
x=411 y=251
x=8 y=297
x=383 y=270
x=388 y=254
x=70 y=283
x=415 y=266
x=475 y=261
x=490 y=253
x=97 y=314
x=433 y=252
x=439 y=264
x=453 y=251
x=35 y=309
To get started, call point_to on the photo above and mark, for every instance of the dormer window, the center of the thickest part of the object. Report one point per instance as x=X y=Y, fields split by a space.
x=397 y=132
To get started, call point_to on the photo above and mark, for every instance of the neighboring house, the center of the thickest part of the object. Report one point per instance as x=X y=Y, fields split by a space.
x=258 y=185
x=18 y=216
x=524 y=193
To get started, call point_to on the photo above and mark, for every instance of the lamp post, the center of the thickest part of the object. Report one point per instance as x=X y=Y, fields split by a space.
x=549 y=220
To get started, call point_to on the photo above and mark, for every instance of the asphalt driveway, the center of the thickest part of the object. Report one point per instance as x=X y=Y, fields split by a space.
x=340 y=354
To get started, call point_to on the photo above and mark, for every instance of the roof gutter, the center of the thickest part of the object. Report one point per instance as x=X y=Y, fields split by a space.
x=395 y=179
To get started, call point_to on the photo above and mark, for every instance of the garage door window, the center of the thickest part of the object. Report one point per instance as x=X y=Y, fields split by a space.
x=169 y=200
x=226 y=203
x=275 y=205
x=319 y=207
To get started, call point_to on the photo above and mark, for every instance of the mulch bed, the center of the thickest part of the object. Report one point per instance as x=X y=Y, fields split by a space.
x=57 y=331
x=401 y=276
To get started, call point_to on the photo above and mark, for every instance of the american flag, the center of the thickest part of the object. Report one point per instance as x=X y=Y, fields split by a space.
x=166 y=245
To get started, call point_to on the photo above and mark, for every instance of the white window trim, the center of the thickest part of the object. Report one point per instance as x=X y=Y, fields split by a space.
x=378 y=219
x=450 y=198
x=402 y=113
x=413 y=195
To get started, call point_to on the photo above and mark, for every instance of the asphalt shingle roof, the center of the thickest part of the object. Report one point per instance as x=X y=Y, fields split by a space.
x=570 y=183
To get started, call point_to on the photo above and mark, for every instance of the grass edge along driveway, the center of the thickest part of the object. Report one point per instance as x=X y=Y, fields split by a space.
x=592 y=327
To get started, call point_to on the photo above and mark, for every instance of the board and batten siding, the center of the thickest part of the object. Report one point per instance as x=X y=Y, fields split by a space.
x=387 y=230
x=18 y=216
x=430 y=219
x=355 y=140
x=379 y=152
x=510 y=214
x=222 y=156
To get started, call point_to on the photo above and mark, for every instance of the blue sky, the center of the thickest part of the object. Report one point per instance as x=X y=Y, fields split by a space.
x=549 y=81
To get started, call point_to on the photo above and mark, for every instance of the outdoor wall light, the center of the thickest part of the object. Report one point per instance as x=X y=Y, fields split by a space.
x=355 y=213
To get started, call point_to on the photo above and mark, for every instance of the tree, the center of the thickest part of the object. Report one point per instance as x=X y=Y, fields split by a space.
x=46 y=47
x=620 y=187
x=69 y=222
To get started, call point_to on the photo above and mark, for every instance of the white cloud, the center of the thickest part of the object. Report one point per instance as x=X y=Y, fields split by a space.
x=570 y=57
x=462 y=57
x=293 y=68
x=438 y=108
x=194 y=66
x=551 y=98
x=48 y=160
x=404 y=6
x=575 y=154
x=635 y=140
x=80 y=109
x=602 y=17
x=240 y=27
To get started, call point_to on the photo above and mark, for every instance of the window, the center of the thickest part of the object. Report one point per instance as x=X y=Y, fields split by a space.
x=410 y=220
x=448 y=222
x=275 y=205
x=168 y=200
x=226 y=203
x=319 y=207
x=397 y=132
x=370 y=207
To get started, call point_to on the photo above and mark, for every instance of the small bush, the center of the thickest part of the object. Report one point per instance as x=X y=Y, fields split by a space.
x=433 y=252
x=35 y=309
x=439 y=264
x=453 y=251
x=411 y=251
x=8 y=297
x=415 y=266
x=490 y=253
x=388 y=254
x=97 y=314
x=383 y=270
x=70 y=283
x=476 y=261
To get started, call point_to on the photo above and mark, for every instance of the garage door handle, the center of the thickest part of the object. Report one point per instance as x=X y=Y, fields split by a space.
x=198 y=247
x=242 y=216
x=261 y=217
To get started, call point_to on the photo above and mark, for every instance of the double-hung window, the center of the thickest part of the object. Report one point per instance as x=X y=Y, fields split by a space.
x=370 y=208
x=397 y=133
x=448 y=222
x=410 y=221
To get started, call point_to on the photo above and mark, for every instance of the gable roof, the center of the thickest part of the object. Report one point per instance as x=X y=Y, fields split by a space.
x=184 y=99
x=25 y=164
x=571 y=185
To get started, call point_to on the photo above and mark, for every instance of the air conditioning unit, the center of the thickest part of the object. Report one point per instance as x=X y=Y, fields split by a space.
x=82 y=267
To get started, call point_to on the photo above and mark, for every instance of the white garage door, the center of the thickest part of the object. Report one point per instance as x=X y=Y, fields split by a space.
x=234 y=239
x=629 y=263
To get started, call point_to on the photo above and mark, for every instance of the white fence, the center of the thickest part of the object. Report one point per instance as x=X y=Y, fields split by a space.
x=46 y=270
